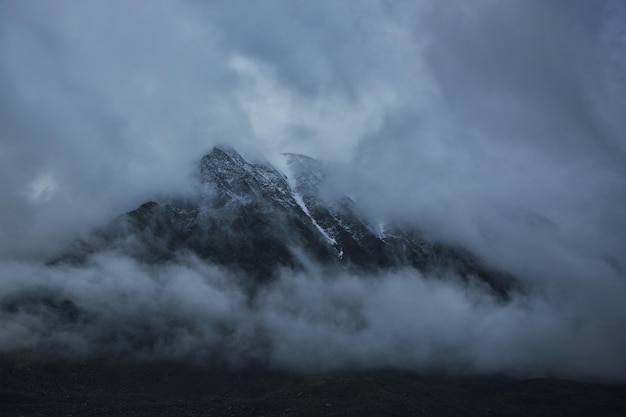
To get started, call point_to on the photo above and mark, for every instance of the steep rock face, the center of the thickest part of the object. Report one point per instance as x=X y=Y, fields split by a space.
x=248 y=217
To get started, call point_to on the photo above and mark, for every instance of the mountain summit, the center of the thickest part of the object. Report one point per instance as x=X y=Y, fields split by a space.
x=254 y=219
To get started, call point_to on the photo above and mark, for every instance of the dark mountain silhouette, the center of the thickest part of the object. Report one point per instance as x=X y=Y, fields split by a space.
x=248 y=217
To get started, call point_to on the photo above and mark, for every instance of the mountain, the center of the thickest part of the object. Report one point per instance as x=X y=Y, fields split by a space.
x=254 y=219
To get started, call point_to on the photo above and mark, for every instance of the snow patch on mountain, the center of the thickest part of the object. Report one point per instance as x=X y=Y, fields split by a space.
x=304 y=208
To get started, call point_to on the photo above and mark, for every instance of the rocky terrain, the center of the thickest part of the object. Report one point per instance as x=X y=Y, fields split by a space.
x=254 y=219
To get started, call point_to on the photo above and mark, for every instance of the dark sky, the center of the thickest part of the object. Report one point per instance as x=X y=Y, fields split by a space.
x=500 y=125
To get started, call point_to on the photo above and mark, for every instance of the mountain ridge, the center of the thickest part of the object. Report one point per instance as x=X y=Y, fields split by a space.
x=252 y=218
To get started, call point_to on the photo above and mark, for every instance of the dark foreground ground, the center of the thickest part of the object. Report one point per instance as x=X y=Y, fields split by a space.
x=36 y=388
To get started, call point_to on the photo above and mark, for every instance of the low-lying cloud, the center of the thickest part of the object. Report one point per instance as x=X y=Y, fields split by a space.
x=310 y=321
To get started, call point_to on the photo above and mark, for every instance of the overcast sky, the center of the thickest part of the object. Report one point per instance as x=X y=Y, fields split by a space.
x=439 y=109
x=500 y=125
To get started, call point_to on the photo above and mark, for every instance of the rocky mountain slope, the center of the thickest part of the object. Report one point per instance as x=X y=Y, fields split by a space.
x=254 y=219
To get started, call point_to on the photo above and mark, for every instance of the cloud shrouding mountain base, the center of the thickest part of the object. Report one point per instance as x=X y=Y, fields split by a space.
x=308 y=321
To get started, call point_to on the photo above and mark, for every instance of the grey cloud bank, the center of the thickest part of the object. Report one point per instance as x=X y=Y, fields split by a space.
x=497 y=125
x=308 y=322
